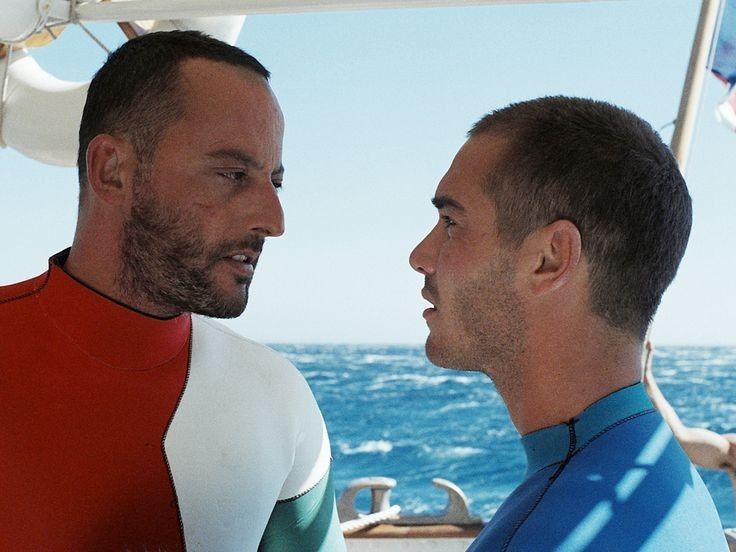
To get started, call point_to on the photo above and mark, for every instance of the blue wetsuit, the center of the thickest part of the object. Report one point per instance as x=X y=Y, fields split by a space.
x=612 y=479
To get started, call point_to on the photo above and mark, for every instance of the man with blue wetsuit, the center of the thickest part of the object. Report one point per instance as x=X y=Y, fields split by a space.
x=561 y=223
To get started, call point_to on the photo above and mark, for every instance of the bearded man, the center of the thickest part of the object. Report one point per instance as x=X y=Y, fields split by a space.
x=561 y=223
x=128 y=423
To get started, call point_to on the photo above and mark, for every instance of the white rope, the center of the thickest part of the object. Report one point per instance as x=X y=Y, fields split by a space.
x=369 y=520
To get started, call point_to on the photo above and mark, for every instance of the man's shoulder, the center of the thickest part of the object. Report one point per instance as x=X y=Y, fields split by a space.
x=12 y=293
x=629 y=488
x=240 y=355
x=218 y=330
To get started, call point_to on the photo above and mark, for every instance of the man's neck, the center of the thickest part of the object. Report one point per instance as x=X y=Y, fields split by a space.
x=559 y=377
x=98 y=272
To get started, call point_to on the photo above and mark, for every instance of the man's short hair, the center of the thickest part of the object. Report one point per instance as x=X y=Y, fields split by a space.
x=607 y=171
x=136 y=94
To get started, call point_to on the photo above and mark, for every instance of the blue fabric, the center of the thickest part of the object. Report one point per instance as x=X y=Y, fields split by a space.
x=724 y=58
x=613 y=478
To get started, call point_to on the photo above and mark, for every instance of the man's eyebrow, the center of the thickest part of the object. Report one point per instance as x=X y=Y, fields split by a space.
x=237 y=155
x=441 y=202
x=241 y=157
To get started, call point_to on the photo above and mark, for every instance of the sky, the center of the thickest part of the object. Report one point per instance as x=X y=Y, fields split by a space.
x=376 y=105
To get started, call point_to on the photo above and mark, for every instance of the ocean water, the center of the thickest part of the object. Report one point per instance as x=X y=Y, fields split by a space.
x=391 y=413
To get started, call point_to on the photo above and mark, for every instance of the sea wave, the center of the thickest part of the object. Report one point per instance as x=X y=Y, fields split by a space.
x=451 y=452
x=419 y=380
x=501 y=433
x=458 y=406
x=386 y=359
x=367 y=447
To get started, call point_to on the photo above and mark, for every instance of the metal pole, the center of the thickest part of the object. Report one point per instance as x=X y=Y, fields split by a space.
x=692 y=91
x=694 y=80
x=136 y=10
x=4 y=87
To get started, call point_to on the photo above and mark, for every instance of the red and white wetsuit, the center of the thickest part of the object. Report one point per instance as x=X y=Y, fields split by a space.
x=121 y=431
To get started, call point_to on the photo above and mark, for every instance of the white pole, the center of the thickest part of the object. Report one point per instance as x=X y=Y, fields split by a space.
x=692 y=91
x=4 y=86
x=694 y=79
x=136 y=10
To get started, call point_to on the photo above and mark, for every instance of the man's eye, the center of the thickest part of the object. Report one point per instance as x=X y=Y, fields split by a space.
x=447 y=221
x=235 y=176
x=278 y=184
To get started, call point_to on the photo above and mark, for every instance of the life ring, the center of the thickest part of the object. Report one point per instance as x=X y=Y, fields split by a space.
x=40 y=114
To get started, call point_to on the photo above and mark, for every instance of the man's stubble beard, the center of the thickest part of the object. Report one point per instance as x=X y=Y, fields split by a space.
x=490 y=316
x=166 y=263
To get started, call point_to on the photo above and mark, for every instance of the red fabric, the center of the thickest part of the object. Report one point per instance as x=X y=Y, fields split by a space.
x=87 y=390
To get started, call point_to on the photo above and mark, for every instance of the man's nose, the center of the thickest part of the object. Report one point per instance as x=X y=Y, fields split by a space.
x=422 y=258
x=268 y=214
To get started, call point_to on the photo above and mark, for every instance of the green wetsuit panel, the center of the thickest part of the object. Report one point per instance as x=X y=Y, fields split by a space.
x=306 y=523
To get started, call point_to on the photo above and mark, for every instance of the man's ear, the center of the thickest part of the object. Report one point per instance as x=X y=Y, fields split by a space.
x=555 y=254
x=111 y=165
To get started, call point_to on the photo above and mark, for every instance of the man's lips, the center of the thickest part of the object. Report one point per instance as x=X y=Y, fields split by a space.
x=428 y=297
x=244 y=262
x=244 y=257
x=428 y=313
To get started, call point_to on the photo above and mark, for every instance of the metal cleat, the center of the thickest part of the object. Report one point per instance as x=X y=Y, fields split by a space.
x=455 y=513
x=380 y=496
